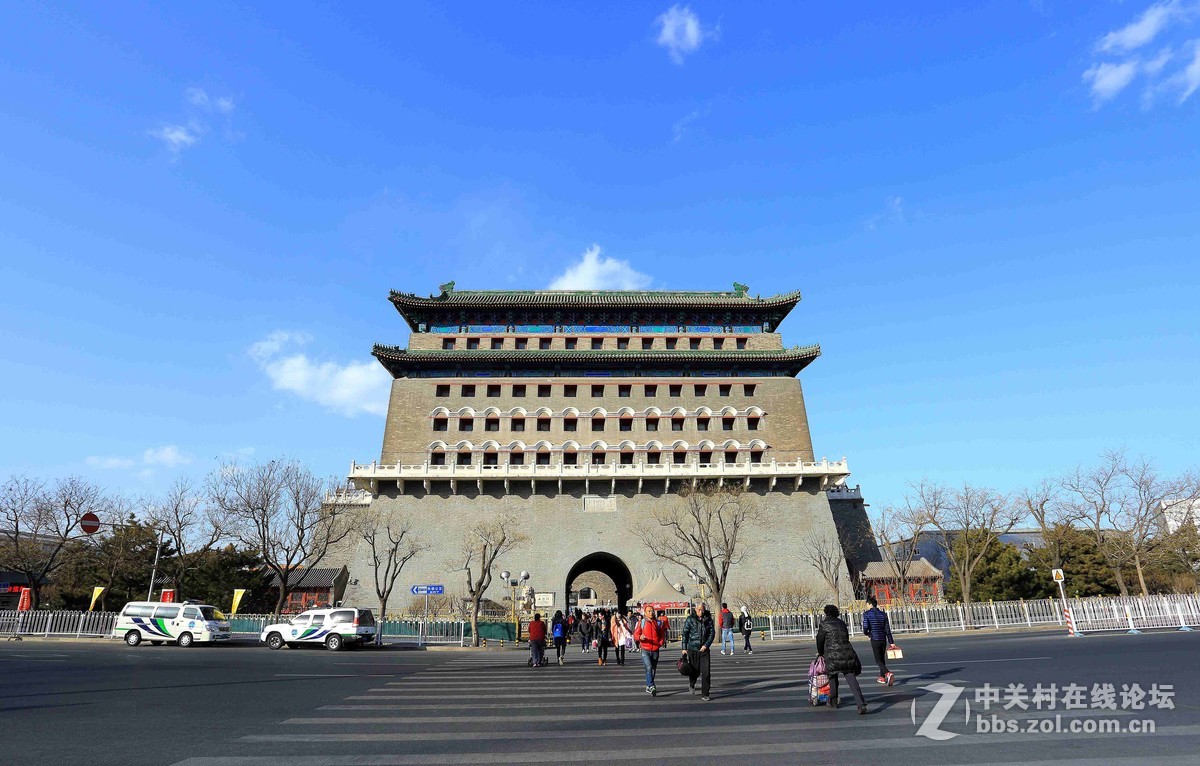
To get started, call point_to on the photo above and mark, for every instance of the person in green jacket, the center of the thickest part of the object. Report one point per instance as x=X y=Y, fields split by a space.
x=698 y=636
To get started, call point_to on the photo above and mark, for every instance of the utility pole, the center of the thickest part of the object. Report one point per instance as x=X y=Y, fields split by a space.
x=154 y=569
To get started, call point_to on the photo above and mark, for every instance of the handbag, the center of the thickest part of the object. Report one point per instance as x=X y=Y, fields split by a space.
x=684 y=667
x=595 y=643
x=895 y=653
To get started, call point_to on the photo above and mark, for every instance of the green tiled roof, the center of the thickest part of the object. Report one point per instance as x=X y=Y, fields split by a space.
x=592 y=299
x=397 y=359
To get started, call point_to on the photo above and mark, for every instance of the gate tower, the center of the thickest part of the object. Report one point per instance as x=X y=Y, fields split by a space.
x=581 y=410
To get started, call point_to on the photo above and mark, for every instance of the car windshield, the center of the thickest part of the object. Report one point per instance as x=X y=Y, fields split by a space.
x=211 y=613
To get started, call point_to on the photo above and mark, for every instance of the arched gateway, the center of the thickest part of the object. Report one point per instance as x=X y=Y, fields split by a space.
x=579 y=413
x=608 y=565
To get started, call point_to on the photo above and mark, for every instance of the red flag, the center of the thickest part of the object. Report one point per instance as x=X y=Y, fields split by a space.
x=168 y=595
x=26 y=601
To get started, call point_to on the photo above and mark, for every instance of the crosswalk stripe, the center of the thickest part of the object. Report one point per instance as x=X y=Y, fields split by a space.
x=662 y=751
x=821 y=724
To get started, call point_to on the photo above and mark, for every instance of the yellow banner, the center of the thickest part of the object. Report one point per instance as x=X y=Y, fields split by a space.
x=237 y=599
x=95 y=596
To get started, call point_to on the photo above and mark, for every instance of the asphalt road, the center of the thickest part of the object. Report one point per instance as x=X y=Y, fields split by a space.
x=243 y=705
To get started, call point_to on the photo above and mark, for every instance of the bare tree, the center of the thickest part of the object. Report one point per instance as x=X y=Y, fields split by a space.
x=37 y=524
x=1094 y=498
x=1043 y=505
x=192 y=524
x=704 y=529
x=967 y=522
x=824 y=553
x=781 y=597
x=391 y=544
x=1138 y=519
x=483 y=544
x=282 y=510
x=898 y=532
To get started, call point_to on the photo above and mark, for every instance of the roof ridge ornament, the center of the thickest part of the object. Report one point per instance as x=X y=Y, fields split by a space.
x=740 y=290
x=447 y=288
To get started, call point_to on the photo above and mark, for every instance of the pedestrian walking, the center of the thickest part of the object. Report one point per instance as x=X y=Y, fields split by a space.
x=833 y=643
x=726 y=620
x=603 y=636
x=558 y=633
x=746 y=626
x=650 y=635
x=585 y=632
x=697 y=638
x=875 y=624
x=537 y=642
x=620 y=635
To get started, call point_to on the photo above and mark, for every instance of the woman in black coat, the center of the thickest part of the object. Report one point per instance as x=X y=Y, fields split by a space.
x=833 y=643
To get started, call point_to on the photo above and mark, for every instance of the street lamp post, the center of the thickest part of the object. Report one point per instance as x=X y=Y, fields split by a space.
x=515 y=583
x=695 y=575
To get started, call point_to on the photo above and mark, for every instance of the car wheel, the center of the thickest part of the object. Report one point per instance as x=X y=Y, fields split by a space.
x=334 y=642
x=275 y=641
x=156 y=643
x=133 y=638
x=184 y=640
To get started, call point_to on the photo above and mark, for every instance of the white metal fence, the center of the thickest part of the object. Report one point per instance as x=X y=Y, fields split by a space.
x=45 y=623
x=1133 y=613
x=1089 y=614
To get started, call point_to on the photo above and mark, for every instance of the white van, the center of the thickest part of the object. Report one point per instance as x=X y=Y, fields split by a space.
x=160 y=621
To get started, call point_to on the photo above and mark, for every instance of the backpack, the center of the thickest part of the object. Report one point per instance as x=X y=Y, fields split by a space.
x=558 y=630
x=658 y=630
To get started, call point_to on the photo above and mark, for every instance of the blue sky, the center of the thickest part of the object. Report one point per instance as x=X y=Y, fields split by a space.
x=992 y=212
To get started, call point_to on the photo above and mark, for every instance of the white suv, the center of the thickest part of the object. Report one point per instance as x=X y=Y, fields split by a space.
x=334 y=627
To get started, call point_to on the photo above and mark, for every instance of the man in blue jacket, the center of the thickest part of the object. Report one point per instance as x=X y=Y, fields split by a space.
x=875 y=625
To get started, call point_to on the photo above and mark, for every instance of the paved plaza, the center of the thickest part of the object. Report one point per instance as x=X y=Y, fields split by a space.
x=242 y=705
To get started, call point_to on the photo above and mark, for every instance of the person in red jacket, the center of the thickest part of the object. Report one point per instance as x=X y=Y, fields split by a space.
x=650 y=634
x=537 y=640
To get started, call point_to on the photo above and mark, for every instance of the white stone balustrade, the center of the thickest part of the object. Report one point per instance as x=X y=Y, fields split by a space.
x=830 y=473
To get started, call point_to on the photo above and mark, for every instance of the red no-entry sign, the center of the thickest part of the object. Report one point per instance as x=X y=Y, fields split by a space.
x=89 y=522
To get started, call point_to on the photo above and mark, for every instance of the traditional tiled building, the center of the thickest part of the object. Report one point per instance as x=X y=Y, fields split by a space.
x=581 y=409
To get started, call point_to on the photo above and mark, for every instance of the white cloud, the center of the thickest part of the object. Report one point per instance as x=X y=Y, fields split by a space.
x=1156 y=64
x=595 y=272
x=108 y=462
x=199 y=97
x=1107 y=80
x=168 y=456
x=893 y=212
x=682 y=124
x=1164 y=73
x=349 y=389
x=1188 y=80
x=177 y=137
x=680 y=32
x=1143 y=30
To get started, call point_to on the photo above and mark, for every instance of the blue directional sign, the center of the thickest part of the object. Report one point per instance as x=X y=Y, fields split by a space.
x=428 y=590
